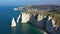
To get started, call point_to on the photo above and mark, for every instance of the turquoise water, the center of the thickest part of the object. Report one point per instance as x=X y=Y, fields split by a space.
x=26 y=29
x=30 y=29
x=6 y=14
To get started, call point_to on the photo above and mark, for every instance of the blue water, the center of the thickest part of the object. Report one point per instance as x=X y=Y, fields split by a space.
x=6 y=14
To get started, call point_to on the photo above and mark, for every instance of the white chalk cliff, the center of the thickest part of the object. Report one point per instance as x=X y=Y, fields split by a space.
x=13 y=24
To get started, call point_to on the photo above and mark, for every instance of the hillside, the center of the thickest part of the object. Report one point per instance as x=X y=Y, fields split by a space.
x=48 y=8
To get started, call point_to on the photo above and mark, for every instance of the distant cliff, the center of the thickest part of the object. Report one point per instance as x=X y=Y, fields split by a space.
x=41 y=8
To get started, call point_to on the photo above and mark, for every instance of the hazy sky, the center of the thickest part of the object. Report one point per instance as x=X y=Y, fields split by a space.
x=28 y=2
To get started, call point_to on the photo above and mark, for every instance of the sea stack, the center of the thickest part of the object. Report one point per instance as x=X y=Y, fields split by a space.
x=13 y=24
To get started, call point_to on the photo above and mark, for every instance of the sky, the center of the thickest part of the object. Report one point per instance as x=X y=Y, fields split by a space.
x=28 y=2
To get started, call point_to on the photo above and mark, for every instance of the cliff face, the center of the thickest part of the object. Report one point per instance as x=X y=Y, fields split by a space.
x=25 y=17
x=41 y=21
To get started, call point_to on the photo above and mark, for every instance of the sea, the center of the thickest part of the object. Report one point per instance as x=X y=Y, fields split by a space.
x=6 y=14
